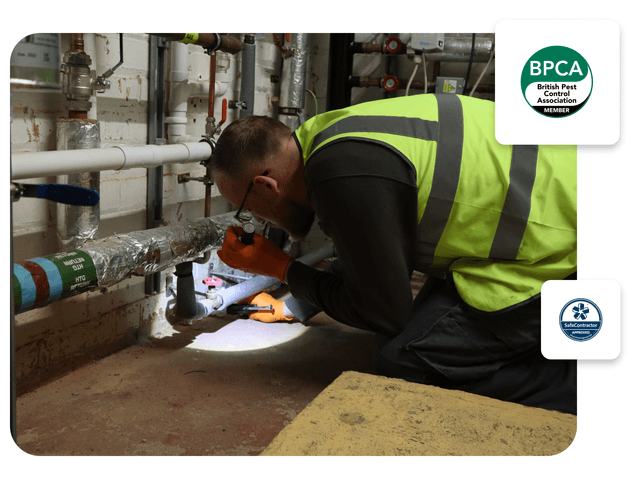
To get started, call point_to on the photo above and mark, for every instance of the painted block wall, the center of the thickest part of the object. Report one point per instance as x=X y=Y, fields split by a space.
x=62 y=336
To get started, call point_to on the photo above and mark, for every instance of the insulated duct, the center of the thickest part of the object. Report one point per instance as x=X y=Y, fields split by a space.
x=101 y=263
x=458 y=49
x=78 y=224
x=294 y=79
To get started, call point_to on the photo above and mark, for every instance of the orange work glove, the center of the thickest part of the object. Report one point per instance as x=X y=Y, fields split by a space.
x=261 y=258
x=267 y=316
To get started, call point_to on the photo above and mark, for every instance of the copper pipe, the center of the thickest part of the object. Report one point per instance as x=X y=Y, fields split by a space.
x=77 y=42
x=364 y=82
x=78 y=114
x=224 y=111
x=212 y=94
x=365 y=47
x=278 y=43
x=219 y=42
x=371 y=47
x=77 y=46
x=212 y=82
x=229 y=44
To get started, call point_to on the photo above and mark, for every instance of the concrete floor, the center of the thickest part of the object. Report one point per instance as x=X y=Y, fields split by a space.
x=174 y=397
x=226 y=386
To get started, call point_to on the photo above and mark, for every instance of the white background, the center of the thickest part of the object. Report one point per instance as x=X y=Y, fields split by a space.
x=606 y=444
x=597 y=122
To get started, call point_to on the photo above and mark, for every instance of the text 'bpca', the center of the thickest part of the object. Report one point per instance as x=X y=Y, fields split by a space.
x=541 y=69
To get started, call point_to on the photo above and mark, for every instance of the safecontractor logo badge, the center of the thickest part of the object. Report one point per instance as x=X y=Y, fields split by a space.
x=580 y=319
x=588 y=327
x=556 y=81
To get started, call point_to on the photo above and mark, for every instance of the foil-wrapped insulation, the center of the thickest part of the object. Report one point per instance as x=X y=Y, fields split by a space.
x=77 y=224
x=291 y=121
x=150 y=251
x=294 y=72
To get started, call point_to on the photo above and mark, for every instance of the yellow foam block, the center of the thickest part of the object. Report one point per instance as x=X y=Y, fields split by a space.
x=361 y=414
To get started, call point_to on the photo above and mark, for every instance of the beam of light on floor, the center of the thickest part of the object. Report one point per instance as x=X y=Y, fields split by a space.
x=245 y=335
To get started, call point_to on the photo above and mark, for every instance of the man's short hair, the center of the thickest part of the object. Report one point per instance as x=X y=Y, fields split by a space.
x=248 y=142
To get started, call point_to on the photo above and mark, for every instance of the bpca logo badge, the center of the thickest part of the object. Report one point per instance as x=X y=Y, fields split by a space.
x=580 y=319
x=556 y=81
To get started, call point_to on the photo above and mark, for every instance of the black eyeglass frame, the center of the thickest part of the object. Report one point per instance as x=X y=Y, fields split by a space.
x=237 y=216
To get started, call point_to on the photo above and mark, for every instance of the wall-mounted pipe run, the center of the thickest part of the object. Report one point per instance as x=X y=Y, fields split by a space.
x=155 y=136
x=294 y=79
x=393 y=45
x=210 y=130
x=178 y=93
x=458 y=49
x=248 y=79
x=78 y=224
x=101 y=263
x=364 y=82
x=43 y=164
x=294 y=72
x=211 y=41
x=77 y=82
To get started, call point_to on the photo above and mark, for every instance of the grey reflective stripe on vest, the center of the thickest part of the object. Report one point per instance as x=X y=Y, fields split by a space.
x=517 y=204
x=445 y=176
x=403 y=126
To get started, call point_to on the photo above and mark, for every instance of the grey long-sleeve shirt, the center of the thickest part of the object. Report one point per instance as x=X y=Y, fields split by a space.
x=365 y=197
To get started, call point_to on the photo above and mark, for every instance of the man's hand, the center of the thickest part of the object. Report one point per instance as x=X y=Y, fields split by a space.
x=261 y=258
x=267 y=316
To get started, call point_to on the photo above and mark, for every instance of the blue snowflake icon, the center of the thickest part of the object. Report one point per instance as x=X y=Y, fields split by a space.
x=580 y=311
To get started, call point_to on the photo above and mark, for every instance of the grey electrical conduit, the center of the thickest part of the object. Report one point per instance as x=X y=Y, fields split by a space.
x=248 y=79
x=218 y=305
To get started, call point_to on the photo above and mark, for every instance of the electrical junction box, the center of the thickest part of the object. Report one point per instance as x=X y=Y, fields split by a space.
x=449 y=85
x=423 y=42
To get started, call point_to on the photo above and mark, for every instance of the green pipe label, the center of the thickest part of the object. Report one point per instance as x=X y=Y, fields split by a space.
x=76 y=269
x=17 y=293
x=190 y=38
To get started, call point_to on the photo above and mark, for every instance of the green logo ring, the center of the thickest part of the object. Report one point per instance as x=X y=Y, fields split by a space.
x=556 y=81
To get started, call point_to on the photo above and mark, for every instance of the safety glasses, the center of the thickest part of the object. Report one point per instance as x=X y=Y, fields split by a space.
x=246 y=217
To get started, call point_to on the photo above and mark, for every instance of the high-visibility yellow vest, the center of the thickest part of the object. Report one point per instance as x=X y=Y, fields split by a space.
x=500 y=219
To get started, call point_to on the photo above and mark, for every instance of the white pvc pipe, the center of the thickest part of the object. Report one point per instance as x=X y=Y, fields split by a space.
x=178 y=94
x=234 y=294
x=45 y=164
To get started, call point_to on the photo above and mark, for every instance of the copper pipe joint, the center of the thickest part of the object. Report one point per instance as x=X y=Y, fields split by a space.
x=77 y=42
x=217 y=42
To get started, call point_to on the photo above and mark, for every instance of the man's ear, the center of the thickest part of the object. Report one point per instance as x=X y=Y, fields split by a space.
x=268 y=183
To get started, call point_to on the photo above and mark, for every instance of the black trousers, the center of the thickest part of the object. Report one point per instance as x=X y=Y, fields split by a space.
x=451 y=345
